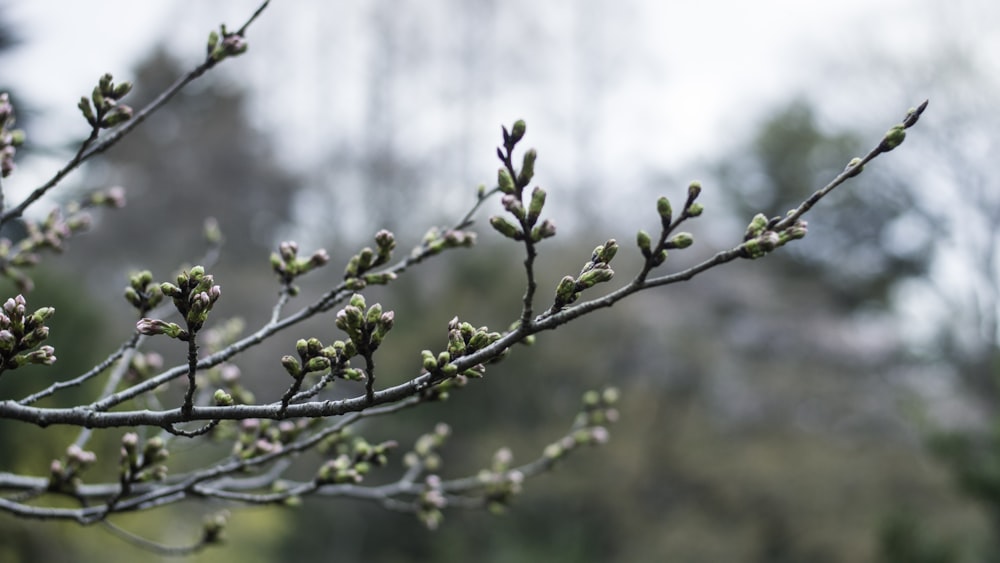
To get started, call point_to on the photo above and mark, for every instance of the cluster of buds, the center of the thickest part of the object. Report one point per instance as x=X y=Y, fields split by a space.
x=142 y=293
x=431 y=502
x=222 y=44
x=353 y=461
x=50 y=233
x=463 y=339
x=10 y=138
x=357 y=273
x=512 y=184
x=259 y=437
x=112 y=198
x=436 y=241
x=365 y=328
x=760 y=238
x=425 y=450
x=596 y=270
x=656 y=255
x=287 y=264
x=194 y=295
x=106 y=111
x=64 y=475
x=313 y=358
x=144 y=466
x=21 y=334
x=501 y=483
x=589 y=428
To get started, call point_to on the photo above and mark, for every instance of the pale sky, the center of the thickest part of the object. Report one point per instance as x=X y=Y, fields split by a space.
x=688 y=73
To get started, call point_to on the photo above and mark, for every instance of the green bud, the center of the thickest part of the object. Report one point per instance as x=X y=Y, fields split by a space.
x=302 y=347
x=41 y=315
x=319 y=363
x=213 y=41
x=449 y=370
x=443 y=358
x=428 y=360
x=527 y=168
x=104 y=83
x=665 y=210
x=694 y=190
x=292 y=366
x=117 y=116
x=222 y=398
x=479 y=340
x=98 y=98
x=456 y=344
x=566 y=290
x=517 y=131
x=591 y=398
x=608 y=252
x=695 y=209
x=610 y=395
x=353 y=267
x=121 y=90
x=132 y=296
x=543 y=231
x=17 y=137
x=366 y=258
x=505 y=181
x=374 y=314
x=535 y=207
x=752 y=249
x=893 y=137
x=645 y=243
x=87 y=111
x=506 y=228
x=353 y=374
x=379 y=279
x=358 y=301
x=756 y=226
x=659 y=258
x=680 y=240
x=355 y=284
x=594 y=277
x=854 y=167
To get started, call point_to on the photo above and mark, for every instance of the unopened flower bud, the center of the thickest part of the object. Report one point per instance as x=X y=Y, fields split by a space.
x=527 y=168
x=505 y=181
x=854 y=167
x=893 y=138
x=506 y=228
x=680 y=240
x=517 y=131
x=292 y=366
x=535 y=207
x=665 y=210
x=222 y=398
x=694 y=190
x=645 y=243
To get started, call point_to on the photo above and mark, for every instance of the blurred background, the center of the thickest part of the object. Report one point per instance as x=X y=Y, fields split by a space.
x=835 y=402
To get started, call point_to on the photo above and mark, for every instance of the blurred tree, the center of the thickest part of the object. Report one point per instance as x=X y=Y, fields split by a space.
x=198 y=157
x=855 y=256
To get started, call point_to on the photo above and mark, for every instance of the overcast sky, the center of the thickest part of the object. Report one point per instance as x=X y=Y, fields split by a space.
x=682 y=67
x=611 y=90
